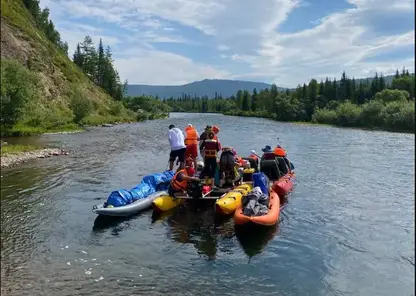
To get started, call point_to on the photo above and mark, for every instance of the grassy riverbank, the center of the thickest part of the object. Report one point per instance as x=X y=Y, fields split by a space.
x=16 y=149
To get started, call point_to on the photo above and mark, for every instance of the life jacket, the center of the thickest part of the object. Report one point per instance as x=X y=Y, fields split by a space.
x=177 y=185
x=239 y=160
x=191 y=137
x=211 y=148
x=280 y=152
x=254 y=157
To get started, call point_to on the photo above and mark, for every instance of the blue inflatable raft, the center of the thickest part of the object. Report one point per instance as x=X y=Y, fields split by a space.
x=129 y=202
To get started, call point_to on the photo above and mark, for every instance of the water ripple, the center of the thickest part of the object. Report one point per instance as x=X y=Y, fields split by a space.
x=347 y=229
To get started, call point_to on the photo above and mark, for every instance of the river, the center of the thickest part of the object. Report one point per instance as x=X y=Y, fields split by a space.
x=348 y=227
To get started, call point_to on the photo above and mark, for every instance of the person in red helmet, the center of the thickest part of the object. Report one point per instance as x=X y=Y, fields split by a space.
x=181 y=180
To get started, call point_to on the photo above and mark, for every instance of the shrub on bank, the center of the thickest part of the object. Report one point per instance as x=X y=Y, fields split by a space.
x=390 y=110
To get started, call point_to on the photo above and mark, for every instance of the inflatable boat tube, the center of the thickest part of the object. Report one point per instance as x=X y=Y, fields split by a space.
x=127 y=210
x=284 y=185
x=269 y=219
x=227 y=204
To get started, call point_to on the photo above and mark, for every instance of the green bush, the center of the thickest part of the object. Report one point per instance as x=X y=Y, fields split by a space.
x=399 y=115
x=325 y=116
x=392 y=95
x=116 y=108
x=371 y=114
x=80 y=105
x=18 y=86
x=348 y=114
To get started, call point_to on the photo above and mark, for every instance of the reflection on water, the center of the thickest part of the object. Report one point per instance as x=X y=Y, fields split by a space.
x=346 y=229
x=198 y=228
x=254 y=238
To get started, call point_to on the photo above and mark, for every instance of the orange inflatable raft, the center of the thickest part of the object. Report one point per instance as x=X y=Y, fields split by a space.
x=269 y=219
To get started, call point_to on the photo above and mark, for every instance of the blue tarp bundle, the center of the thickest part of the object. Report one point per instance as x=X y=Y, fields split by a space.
x=261 y=180
x=150 y=184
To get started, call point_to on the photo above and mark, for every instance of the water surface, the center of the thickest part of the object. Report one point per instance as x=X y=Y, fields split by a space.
x=348 y=228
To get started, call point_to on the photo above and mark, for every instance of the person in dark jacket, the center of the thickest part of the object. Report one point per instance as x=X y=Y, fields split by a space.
x=212 y=147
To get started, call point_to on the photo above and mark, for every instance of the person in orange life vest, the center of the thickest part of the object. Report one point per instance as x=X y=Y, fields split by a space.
x=278 y=151
x=216 y=130
x=212 y=147
x=191 y=142
x=180 y=181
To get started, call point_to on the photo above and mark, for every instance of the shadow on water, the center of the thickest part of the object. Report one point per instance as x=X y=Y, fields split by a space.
x=196 y=223
x=254 y=238
x=116 y=224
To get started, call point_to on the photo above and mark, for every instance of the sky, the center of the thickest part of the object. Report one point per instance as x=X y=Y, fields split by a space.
x=286 y=42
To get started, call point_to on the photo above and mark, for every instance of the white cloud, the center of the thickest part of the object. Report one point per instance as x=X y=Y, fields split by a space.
x=157 y=67
x=223 y=47
x=247 y=31
x=339 y=42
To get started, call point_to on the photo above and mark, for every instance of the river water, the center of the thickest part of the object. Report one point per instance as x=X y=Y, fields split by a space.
x=348 y=227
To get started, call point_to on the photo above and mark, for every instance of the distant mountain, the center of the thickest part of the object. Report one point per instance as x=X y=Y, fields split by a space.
x=208 y=87
x=388 y=79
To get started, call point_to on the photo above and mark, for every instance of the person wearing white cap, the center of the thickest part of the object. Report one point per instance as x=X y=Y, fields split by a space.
x=191 y=142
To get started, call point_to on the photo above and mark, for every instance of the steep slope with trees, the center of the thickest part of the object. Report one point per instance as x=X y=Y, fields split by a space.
x=42 y=89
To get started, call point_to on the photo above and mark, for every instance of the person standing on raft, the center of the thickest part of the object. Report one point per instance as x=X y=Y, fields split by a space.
x=191 y=142
x=212 y=147
x=177 y=147
x=181 y=180
x=204 y=136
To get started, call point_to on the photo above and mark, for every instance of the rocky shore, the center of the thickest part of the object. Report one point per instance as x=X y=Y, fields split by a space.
x=16 y=158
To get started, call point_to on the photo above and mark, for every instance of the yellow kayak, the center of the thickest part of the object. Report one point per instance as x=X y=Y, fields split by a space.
x=228 y=203
x=166 y=202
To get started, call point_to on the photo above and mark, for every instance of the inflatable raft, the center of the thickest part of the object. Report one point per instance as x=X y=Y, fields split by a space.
x=166 y=202
x=228 y=203
x=284 y=185
x=125 y=202
x=269 y=219
x=127 y=210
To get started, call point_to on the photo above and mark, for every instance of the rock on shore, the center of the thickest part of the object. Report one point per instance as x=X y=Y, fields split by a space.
x=13 y=159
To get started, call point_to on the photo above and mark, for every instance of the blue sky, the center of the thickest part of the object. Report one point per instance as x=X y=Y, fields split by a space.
x=286 y=42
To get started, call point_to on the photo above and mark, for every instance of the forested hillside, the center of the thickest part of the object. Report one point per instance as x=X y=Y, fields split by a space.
x=206 y=87
x=42 y=89
x=369 y=103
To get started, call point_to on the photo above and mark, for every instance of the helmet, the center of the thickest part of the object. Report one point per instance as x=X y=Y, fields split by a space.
x=215 y=129
x=190 y=170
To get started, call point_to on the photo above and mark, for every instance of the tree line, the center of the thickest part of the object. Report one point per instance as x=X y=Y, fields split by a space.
x=370 y=103
x=97 y=63
x=41 y=18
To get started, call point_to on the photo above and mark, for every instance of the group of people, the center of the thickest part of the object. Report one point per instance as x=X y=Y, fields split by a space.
x=184 y=147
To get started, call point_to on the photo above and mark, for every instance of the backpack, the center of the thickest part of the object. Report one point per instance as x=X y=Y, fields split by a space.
x=227 y=161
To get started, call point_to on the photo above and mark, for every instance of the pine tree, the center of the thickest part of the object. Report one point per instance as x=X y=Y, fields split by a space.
x=101 y=64
x=397 y=75
x=253 y=100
